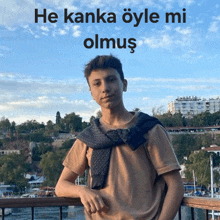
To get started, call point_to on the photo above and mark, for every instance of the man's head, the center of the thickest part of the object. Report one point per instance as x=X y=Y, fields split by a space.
x=106 y=81
x=104 y=62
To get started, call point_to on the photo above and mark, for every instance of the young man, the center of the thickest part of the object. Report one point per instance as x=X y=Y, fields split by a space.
x=133 y=172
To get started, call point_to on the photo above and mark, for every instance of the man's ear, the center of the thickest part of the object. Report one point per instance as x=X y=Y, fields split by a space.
x=125 y=84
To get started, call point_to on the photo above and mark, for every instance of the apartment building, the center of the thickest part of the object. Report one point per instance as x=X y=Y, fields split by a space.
x=192 y=105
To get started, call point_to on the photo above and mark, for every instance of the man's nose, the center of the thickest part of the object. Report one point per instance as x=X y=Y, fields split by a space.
x=105 y=87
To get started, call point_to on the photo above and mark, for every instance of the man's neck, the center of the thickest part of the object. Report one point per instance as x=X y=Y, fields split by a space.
x=116 y=117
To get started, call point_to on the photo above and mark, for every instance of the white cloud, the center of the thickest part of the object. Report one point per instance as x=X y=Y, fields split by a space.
x=217 y=18
x=145 y=98
x=62 y=32
x=175 y=80
x=61 y=4
x=17 y=12
x=215 y=24
x=214 y=27
x=140 y=42
x=176 y=39
x=44 y=28
x=17 y=82
x=163 y=41
x=3 y=51
x=46 y=96
x=4 y=48
x=184 y=31
x=76 y=31
x=186 y=2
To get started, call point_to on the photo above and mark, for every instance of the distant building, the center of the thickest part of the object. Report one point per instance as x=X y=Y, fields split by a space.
x=6 y=190
x=213 y=148
x=7 y=152
x=192 y=105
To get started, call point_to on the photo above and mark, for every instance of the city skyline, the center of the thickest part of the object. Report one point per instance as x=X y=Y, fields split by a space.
x=41 y=64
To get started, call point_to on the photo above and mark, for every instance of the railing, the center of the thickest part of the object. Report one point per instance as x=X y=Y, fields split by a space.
x=192 y=202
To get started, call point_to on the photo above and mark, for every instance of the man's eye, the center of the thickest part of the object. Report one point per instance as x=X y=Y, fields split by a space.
x=96 y=84
x=112 y=79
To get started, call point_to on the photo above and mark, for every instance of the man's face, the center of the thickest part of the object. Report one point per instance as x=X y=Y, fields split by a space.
x=106 y=87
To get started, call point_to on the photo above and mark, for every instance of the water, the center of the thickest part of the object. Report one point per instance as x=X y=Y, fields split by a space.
x=47 y=213
x=72 y=212
x=199 y=214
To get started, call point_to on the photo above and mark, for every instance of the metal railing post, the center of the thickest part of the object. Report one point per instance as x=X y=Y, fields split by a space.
x=61 y=213
x=179 y=213
x=206 y=214
x=192 y=213
x=32 y=213
x=3 y=213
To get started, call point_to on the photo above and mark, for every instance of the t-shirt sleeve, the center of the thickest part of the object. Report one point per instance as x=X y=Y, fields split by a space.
x=76 y=159
x=161 y=151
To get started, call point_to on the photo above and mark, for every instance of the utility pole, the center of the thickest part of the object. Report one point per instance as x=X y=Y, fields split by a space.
x=194 y=179
x=212 y=184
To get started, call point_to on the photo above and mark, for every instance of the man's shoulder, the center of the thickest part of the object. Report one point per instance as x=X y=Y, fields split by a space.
x=147 y=121
x=90 y=134
x=145 y=116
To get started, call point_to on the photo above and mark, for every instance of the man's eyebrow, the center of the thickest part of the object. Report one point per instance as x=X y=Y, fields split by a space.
x=111 y=74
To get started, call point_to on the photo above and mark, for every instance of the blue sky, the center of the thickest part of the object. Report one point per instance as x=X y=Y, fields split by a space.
x=41 y=64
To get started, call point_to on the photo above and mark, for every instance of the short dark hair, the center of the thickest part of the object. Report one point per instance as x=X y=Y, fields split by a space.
x=103 y=62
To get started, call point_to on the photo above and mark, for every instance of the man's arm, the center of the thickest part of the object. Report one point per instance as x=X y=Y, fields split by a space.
x=66 y=187
x=174 y=195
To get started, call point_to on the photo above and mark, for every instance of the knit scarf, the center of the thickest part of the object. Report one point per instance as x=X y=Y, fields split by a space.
x=102 y=144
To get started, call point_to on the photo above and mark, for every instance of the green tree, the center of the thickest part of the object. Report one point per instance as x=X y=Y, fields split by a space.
x=51 y=164
x=216 y=178
x=5 y=124
x=183 y=145
x=85 y=125
x=50 y=125
x=73 y=122
x=13 y=127
x=136 y=110
x=68 y=144
x=58 y=118
x=91 y=119
x=40 y=150
x=30 y=126
x=12 y=170
x=199 y=162
x=206 y=140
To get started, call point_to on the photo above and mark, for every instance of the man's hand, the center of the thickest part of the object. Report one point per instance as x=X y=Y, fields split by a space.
x=174 y=195
x=92 y=201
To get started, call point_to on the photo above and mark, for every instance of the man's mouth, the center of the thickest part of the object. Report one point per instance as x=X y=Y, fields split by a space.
x=107 y=97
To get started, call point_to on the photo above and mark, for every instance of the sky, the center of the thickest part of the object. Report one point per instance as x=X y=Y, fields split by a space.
x=41 y=64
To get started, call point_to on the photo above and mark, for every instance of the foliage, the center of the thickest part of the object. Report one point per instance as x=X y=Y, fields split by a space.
x=68 y=144
x=40 y=150
x=51 y=164
x=5 y=124
x=58 y=118
x=183 y=145
x=29 y=126
x=85 y=125
x=169 y=120
x=199 y=162
x=216 y=177
x=136 y=110
x=73 y=122
x=91 y=119
x=38 y=137
x=12 y=170
x=199 y=120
